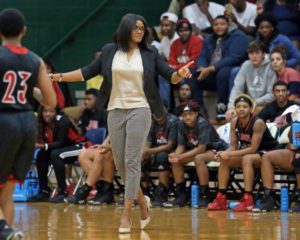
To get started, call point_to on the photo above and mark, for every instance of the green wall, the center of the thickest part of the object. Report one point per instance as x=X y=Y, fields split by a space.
x=68 y=32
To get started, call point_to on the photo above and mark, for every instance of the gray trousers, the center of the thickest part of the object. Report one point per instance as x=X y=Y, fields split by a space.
x=128 y=131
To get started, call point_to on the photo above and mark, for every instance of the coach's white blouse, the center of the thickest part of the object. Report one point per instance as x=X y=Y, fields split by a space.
x=127 y=82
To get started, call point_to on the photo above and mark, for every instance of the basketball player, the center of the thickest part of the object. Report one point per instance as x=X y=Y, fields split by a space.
x=20 y=71
x=250 y=139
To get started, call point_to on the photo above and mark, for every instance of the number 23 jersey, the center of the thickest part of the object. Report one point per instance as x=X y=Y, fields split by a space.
x=19 y=69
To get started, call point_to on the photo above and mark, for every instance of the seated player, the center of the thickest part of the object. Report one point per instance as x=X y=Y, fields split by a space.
x=195 y=136
x=161 y=141
x=287 y=159
x=250 y=138
x=56 y=138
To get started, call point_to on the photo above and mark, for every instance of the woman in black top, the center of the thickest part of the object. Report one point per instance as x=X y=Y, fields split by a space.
x=129 y=67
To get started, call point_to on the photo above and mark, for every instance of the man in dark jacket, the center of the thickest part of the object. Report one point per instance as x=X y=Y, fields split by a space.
x=91 y=117
x=224 y=49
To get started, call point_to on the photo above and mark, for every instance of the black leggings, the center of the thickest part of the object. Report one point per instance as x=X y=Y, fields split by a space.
x=45 y=158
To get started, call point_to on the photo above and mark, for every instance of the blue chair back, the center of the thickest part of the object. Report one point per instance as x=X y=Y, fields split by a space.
x=96 y=135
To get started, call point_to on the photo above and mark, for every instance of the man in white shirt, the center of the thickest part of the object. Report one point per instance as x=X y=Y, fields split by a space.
x=243 y=14
x=201 y=14
x=168 y=28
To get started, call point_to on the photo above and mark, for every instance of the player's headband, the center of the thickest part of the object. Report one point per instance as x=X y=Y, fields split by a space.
x=243 y=99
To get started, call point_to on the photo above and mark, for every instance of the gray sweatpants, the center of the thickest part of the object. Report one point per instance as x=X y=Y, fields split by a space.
x=128 y=131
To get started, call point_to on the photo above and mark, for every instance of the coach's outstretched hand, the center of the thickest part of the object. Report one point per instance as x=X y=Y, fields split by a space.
x=183 y=72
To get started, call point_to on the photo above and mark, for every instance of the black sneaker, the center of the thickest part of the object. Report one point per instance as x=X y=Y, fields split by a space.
x=102 y=199
x=295 y=207
x=9 y=234
x=160 y=196
x=179 y=201
x=80 y=197
x=203 y=202
x=268 y=203
x=43 y=196
x=59 y=198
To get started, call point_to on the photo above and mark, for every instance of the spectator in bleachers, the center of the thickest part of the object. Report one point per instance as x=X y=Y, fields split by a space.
x=153 y=38
x=91 y=117
x=185 y=49
x=287 y=160
x=176 y=6
x=97 y=163
x=168 y=28
x=267 y=32
x=56 y=135
x=202 y=14
x=222 y=51
x=161 y=141
x=185 y=93
x=88 y=116
x=243 y=14
x=250 y=138
x=255 y=78
x=286 y=74
x=195 y=136
x=272 y=111
x=260 y=6
x=287 y=13
x=96 y=81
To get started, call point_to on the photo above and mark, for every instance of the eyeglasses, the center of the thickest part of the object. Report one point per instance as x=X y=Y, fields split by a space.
x=139 y=29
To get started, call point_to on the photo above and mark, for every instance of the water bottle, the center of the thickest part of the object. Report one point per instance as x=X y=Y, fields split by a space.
x=284 y=199
x=231 y=205
x=296 y=133
x=195 y=195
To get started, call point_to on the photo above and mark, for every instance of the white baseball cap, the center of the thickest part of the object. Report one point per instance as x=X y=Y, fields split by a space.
x=171 y=16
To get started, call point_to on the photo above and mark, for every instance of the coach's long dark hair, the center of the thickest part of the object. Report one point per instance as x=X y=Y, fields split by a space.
x=122 y=36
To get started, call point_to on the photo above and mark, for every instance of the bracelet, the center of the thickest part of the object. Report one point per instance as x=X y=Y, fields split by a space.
x=178 y=74
x=50 y=76
x=60 y=77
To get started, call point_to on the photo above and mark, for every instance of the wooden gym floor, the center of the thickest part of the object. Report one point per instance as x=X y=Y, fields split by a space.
x=42 y=221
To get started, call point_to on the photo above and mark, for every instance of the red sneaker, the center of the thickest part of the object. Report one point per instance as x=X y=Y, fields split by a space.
x=246 y=204
x=220 y=203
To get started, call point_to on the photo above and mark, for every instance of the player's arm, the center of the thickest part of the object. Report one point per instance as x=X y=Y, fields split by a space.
x=48 y=97
x=201 y=148
x=233 y=143
x=233 y=137
x=147 y=147
x=174 y=156
x=163 y=148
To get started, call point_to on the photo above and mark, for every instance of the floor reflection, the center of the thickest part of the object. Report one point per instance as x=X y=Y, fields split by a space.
x=42 y=221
